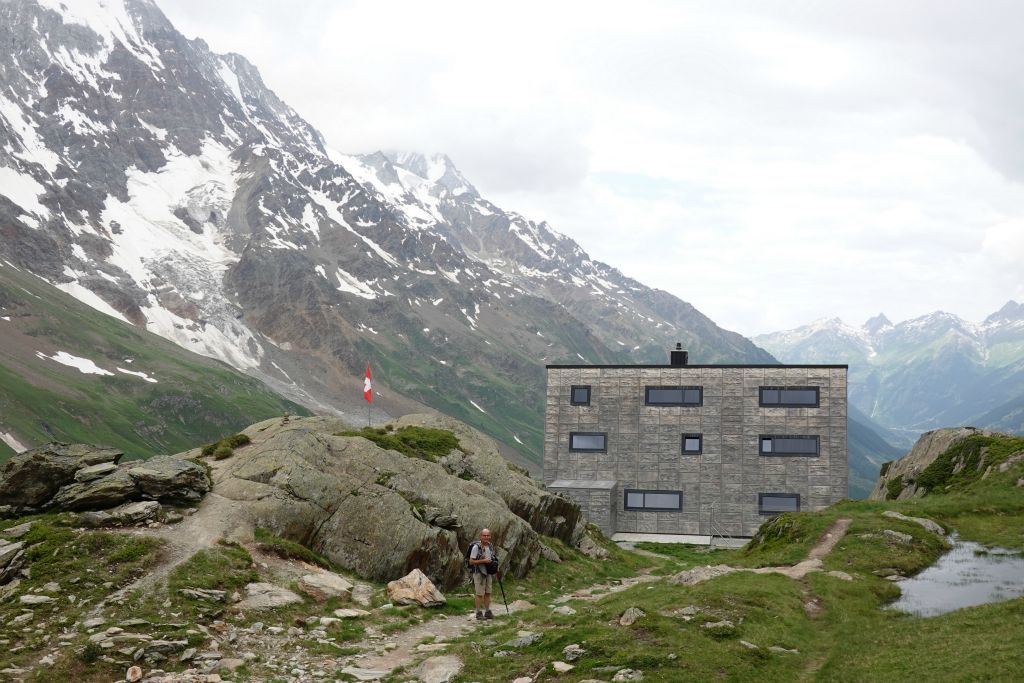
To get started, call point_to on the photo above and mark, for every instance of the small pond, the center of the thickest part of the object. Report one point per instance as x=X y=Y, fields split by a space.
x=967 y=575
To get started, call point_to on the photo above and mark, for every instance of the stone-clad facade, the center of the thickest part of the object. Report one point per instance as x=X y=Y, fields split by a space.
x=744 y=459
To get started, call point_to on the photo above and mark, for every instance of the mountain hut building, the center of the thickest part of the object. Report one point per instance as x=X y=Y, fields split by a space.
x=708 y=450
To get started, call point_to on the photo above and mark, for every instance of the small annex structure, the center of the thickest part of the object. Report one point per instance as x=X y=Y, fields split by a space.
x=695 y=449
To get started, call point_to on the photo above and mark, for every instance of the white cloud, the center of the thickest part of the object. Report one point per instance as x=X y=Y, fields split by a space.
x=771 y=163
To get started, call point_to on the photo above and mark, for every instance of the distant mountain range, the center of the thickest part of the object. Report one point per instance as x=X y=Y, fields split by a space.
x=166 y=185
x=934 y=371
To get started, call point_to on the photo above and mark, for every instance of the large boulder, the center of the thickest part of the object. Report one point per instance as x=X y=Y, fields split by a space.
x=267 y=596
x=30 y=479
x=415 y=589
x=105 y=492
x=323 y=586
x=547 y=513
x=364 y=508
x=170 y=479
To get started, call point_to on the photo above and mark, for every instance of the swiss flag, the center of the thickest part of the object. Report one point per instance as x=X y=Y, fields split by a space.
x=368 y=386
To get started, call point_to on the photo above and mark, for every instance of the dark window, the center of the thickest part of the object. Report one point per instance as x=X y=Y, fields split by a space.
x=657 y=501
x=674 y=396
x=787 y=444
x=596 y=442
x=692 y=443
x=773 y=503
x=789 y=397
x=580 y=395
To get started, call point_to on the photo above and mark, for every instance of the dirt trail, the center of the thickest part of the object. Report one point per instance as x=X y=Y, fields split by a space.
x=828 y=541
x=405 y=648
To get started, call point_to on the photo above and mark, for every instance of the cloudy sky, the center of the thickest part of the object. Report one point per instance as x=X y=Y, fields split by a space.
x=769 y=162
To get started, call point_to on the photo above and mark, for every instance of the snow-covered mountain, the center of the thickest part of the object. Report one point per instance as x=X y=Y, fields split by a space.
x=933 y=371
x=165 y=184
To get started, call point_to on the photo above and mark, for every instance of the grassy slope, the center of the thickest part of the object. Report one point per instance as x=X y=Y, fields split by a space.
x=195 y=400
x=848 y=637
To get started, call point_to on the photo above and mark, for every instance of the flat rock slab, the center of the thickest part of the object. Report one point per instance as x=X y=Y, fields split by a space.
x=350 y=613
x=692 y=577
x=362 y=594
x=440 y=669
x=35 y=599
x=8 y=551
x=325 y=585
x=95 y=471
x=267 y=596
x=17 y=531
x=928 y=524
x=365 y=674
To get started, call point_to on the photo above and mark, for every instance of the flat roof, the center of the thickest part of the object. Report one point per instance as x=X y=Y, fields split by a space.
x=689 y=365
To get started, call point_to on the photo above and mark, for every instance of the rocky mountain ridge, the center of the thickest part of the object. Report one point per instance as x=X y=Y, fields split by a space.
x=922 y=373
x=167 y=185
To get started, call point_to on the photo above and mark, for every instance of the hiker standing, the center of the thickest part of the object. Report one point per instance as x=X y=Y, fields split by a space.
x=483 y=563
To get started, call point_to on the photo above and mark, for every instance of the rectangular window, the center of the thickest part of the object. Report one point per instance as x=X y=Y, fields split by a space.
x=774 y=503
x=692 y=444
x=789 y=397
x=674 y=396
x=588 y=442
x=654 y=501
x=788 y=444
x=580 y=395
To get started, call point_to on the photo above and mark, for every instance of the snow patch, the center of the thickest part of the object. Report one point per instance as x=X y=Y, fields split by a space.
x=35 y=150
x=353 y=285
x=478 y=407
x=231 y=81
x=14 y=444
x=83 y=365
x=23 y=190
x=89 y=298
x=158 y=133
x=79 y=122
x=141 y=375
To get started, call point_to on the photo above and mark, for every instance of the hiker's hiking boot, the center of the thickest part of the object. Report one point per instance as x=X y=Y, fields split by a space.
x=479 y=615
x=488 y=615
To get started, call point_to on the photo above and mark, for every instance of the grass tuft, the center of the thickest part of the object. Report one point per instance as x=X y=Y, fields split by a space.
x=290 y=550
x=425 y=443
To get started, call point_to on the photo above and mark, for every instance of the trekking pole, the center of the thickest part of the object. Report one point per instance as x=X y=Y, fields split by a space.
x=503 y=594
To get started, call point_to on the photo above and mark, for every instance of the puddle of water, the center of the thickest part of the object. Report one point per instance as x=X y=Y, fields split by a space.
x=965 y=576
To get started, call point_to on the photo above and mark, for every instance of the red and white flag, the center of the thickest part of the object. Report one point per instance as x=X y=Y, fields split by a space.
x=368 y=386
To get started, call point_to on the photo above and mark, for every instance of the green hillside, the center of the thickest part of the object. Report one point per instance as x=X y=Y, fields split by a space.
x=193 y=399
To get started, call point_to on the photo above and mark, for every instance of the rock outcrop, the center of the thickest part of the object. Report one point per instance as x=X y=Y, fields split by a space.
x=898 y=480
x=547 y=513
x=80 y=477
x=366 y=508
